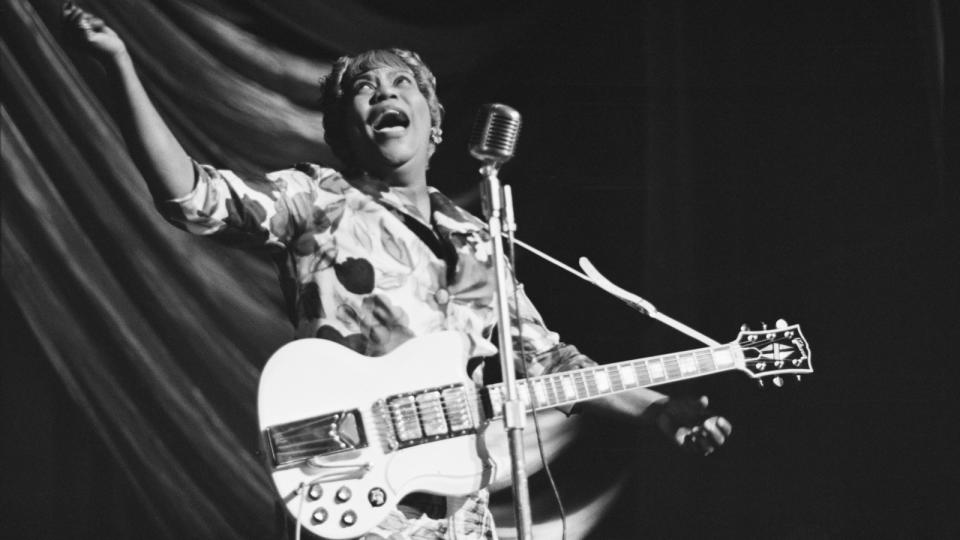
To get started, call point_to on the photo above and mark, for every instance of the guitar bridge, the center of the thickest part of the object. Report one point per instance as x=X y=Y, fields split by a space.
x=293 y=443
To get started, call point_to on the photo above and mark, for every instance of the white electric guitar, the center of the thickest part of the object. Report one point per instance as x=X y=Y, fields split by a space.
x=347 y=436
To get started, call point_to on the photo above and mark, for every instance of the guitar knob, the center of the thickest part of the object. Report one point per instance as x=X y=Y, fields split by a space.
x=377 y=497
x=319 y=516
x=744 y=327
x=348 y=518
x=781 y=324
x=778 y=381
x=343 y=494
x=315 y=492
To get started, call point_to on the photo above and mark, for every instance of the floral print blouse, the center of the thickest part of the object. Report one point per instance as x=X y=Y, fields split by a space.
x=360 y=267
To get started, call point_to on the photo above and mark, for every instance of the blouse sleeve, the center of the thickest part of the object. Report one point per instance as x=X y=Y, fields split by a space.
x=541 y=348
x=272 y=211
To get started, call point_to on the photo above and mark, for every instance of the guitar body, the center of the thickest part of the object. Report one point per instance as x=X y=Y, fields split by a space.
x=348 y=491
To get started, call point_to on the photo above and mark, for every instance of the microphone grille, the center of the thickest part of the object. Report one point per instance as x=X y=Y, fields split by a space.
x=495 y=132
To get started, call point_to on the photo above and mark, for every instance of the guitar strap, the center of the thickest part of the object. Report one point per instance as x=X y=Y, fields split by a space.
x=443 y=248
x=438 y=243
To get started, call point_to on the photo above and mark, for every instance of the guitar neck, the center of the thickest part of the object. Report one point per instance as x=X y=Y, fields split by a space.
x=568 y=387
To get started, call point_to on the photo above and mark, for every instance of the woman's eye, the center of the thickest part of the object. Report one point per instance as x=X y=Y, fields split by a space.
x=362 y=87
x=403 y=80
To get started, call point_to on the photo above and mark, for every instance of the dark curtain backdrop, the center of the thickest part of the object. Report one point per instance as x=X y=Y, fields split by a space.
x=732 y=162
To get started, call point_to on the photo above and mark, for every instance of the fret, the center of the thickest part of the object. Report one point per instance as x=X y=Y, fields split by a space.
x=629 y=374
x=615 y=381
x=567 y=387
x=540 y=392
x=549 y=382
x=593 y=385
x=495 y=392
x=705 y=361
x=655 y=369
x=523 y=392
x=671 y=366
x=688 y=365
x=642 y=372
x=601 y=381
x=723 y=357
x=580 y=384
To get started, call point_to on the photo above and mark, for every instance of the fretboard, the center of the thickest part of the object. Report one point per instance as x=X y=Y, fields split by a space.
x=571 y=387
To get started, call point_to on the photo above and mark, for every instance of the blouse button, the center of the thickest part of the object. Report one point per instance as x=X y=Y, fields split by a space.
x=442 y=296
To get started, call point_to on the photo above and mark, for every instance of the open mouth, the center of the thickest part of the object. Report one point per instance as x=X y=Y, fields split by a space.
x=390 y=120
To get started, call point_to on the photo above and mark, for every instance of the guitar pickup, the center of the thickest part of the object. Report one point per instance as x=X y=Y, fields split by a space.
x=295 y=442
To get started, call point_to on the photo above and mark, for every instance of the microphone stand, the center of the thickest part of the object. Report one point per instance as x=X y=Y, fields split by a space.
x=514 y=412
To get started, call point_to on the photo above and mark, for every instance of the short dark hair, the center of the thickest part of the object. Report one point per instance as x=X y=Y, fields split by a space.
x=346 y=70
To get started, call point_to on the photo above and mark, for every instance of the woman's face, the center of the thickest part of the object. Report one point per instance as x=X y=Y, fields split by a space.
x=388 y=121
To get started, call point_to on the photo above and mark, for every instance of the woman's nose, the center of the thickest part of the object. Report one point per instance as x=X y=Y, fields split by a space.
x=383 y=91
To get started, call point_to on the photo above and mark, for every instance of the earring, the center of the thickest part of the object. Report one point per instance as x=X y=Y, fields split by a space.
x=436 y=135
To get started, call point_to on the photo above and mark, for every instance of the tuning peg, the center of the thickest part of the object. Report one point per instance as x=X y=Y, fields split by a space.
x=760 y=383
x=799 y=378
x=764 y=325
x=781 y=324
x=744 y=327
x=778 y=381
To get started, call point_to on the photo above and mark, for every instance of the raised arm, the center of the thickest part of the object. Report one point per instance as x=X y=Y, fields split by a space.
x=161 y=159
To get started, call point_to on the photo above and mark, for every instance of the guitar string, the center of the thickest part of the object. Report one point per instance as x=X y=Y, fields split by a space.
x=582 y=385
x=449 y=415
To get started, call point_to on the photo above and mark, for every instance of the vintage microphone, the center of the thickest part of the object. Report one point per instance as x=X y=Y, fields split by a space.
x=492 y=141
x=495 y=132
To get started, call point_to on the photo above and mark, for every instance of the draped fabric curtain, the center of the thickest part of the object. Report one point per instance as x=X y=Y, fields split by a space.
x=157 y=336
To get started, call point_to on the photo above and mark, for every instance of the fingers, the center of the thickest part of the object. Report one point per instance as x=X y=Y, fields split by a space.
x=724 y=425
x=706 y=437
x=75 y=17
x=694 y=440
x=718 y=429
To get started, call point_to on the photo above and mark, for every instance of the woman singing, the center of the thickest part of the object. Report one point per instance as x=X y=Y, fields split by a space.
x=372 y=255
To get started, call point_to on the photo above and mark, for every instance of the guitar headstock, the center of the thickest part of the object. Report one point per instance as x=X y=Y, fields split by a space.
x=775 y=352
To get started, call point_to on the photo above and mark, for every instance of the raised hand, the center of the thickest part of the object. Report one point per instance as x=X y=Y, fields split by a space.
x=91 y=33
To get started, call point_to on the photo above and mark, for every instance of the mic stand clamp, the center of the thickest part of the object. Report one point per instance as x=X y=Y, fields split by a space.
x=514 y=412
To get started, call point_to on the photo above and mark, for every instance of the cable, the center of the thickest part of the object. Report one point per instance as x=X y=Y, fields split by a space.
x=533 y=396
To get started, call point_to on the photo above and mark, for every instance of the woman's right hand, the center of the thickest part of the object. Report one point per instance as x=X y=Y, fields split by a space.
x=91 y=32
